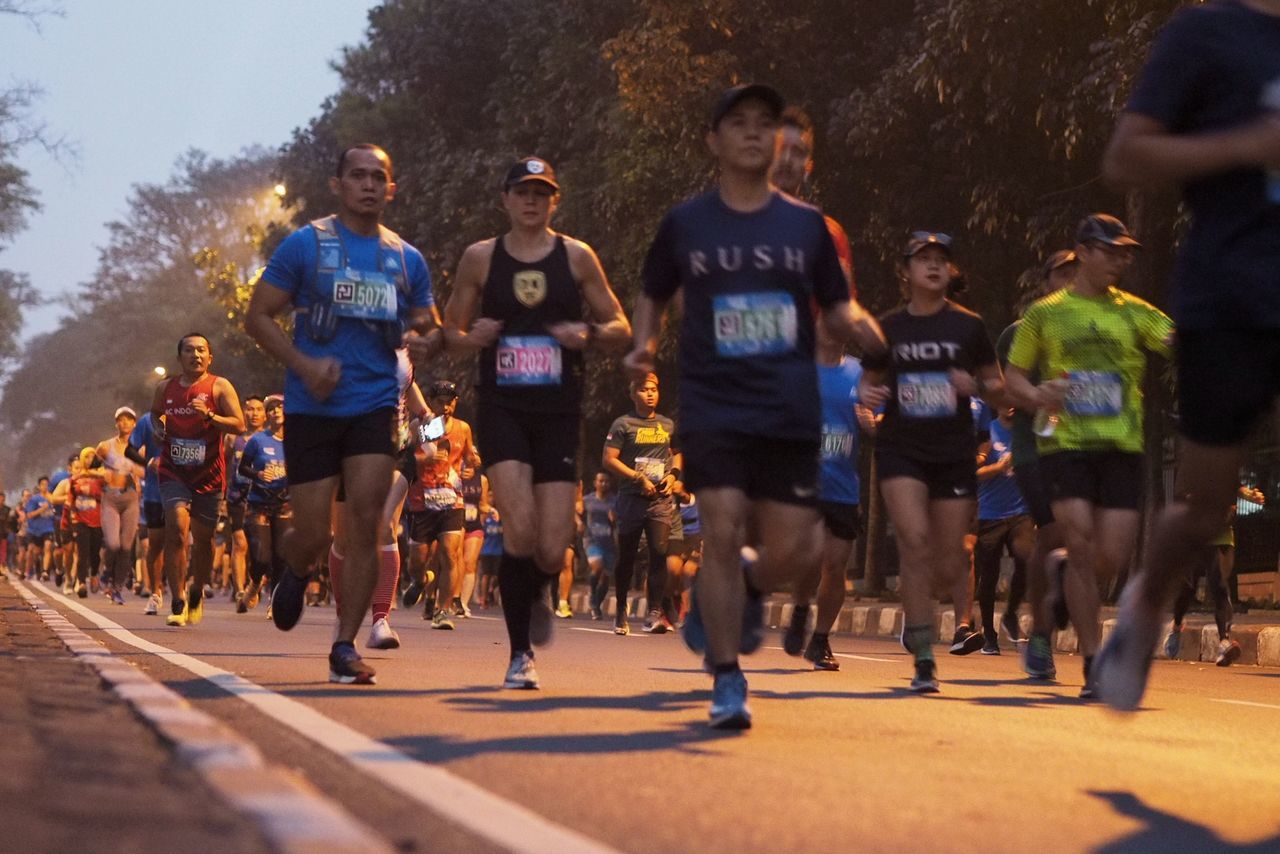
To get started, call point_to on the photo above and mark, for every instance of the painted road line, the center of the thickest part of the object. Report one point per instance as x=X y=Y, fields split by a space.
x=492 y=817
x=288 y=811
x=847 y=655
x=1245 y=703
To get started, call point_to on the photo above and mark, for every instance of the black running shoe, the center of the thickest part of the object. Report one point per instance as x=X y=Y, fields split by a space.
x=966 y=640
x=345 y=664
x=793 y=637
x=926 y=679
x=412 y=594
x=288 y=600
x=819 y=652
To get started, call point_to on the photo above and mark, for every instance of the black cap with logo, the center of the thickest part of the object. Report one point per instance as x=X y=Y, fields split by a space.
x=531 y=169
x=1104 y=228
x=733 y=95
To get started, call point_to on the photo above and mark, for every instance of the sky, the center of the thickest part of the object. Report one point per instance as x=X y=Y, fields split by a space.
x=133 y=84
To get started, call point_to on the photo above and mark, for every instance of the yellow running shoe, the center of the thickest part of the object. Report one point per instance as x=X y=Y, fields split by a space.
x=177 y=619
x=195 y=613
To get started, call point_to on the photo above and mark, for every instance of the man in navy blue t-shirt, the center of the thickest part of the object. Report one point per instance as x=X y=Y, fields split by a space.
x=755 y=266
x=1205 y=115
x=359 y=293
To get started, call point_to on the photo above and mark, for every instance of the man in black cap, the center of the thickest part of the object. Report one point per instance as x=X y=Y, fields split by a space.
x=752 y=263
x=1205 y=116
x=1088 y=344
x=518 y=302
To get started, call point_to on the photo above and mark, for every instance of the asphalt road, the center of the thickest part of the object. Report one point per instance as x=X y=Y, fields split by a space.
x=615 y=748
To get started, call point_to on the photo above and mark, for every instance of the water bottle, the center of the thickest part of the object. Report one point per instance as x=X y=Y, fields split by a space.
x=1046 y=420
x=1271 y=101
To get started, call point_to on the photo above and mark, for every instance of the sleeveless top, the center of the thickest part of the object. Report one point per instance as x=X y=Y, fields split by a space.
x=86 y=500
x=527 y=369
x=192 y=447
x=471 y=489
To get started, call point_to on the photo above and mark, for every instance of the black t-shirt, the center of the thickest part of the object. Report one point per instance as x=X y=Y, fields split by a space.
x=750 y=281
x=925 y=419
x=1213 y=68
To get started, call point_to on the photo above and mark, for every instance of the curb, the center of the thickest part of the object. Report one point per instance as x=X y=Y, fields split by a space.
x=290 y=813
x=1259 y=643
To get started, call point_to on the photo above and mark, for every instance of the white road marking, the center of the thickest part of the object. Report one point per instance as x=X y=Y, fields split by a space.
x=490 y=816
x=1245 y=703
x=846 y=655
x=609 y=632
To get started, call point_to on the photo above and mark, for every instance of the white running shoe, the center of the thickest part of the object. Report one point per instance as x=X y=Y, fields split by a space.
x=153 y=605
x=520 y=673
x=1121 y=668
x=382 y=636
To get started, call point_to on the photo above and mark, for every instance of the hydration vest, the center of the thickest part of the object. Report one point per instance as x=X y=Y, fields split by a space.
x=331 y=256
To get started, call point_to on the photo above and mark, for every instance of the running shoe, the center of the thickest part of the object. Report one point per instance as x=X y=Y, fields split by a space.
x=1122 y=666
x=694 y=633
x=288 y=599
x=926 y=679
x=793 y=637
x=178 y=618
x=153 y=605
x=93 y=583
x=58 y=579
x=137 y=588
x=597 y=613
x=966 y=640
x=729 y=708
x=1090 y=688
x=1173 y=643
x=819 y=652
x=68 y=588
x=116 y=596
x=622 y=628
x=81 y=590
x=254 y=593
x=413 y=594
x=991 y=644
x=540 y=621
x=655 y=623
x=195 y=606
x=241 y=606
x=521 y=673
x=563 y=611
x=460 y=608
x=441 y=620
x=1038 y=662
x=1228 y=652
x=382 y=636
x=1009 y=622
x=347 y=667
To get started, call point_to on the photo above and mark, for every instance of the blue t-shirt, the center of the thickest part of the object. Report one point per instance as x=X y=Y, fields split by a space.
x=368 y=365
x=492 y=544
x=1216 y=67
x=39 y=526
x=265 y=456
x=998 y=497
x=144 y=439
x=689 y=518
x=237 y=484
x=58 y=477
x=747 y=334
x=599 y=527
x=838 y=475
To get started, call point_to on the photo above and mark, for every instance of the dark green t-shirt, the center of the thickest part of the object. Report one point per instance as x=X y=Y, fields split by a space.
x=643 y=444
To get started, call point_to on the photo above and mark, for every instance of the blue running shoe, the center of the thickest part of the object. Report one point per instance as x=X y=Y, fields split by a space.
x=694 y=633
x=729 y=702
x=346 y=667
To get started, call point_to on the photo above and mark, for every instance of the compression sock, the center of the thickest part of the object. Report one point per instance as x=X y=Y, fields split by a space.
x=518 y=585
x=388 y=578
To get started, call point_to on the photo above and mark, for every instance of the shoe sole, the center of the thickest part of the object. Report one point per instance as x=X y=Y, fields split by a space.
x=738 y=719
x=621 y=632
x=832 y=666
x=971 y=644
x=1229 y=657
x=990 y=651
x=389 y=643
x=520 y=686
x=659 y=629
x=445 y=627
x=362 y=679
x=931 y=688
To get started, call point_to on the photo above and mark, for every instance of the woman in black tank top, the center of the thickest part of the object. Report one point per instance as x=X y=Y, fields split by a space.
x=518 y=300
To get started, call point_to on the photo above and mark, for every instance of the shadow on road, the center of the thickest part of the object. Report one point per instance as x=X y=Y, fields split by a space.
x=505 y=701
x=1166 y=832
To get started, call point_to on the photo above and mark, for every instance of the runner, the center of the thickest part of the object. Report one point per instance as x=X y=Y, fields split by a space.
x=1056 y=273
x=86 y=491
x=145 y=449
x=475 y=505
x=198 y=409
x=267 y=516
x=39 y=516
x=690 y=554
x=750 y=263
x=1004 y=524
x=490 y=558
x=120 y=502
x=63 y=536
x=940 y=357
x=639 y=451
x=600 y=536
x=442 y=398
x=1092 y=340
x=255 y=416
x=360 y=293
x=7 y=519
x=1223 y=152
x=518 y=301
x=435 y=519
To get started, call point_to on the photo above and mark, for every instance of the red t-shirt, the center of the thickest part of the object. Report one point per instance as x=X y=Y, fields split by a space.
x=192 y=450
x=86 y=500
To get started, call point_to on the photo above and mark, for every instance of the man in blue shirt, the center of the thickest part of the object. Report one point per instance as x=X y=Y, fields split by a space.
x=1205 y=116
x=144 y=449
x=40 y=523
x=752 y=263
x=359 y=292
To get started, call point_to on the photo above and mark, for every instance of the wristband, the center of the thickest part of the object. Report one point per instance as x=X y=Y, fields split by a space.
x=676 y=473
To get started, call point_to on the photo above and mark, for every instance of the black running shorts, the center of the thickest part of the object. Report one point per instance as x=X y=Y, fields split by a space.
x=1111 y=480
x=766 y=469
x=316 y=445
x=1227 y=382
x=958 y=479
x=546 y=441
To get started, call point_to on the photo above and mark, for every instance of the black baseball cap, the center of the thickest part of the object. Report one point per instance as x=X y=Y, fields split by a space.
x=442 y=388
x=531 y=169
x=1104 y=228
x=731 y=96
x=924 y=239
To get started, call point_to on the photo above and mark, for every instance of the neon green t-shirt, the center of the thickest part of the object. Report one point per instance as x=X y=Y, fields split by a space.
x=1101 y=345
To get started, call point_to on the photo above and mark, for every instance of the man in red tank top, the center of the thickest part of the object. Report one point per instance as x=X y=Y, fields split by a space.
x=194 y=410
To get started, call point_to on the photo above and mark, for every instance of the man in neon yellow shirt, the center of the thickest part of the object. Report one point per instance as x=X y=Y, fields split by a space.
x=1089 y=342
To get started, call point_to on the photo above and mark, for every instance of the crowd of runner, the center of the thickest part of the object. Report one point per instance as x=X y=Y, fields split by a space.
x=378 y=496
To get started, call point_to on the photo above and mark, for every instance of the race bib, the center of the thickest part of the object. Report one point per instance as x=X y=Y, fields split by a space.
x=836 y=444
x=528 y=360
x=1094 y=393
x=273 y=471
x=926 y=395
x=186 y=452
x=471 y=512
x=652 y=468
x=86 y=503
x=439 y=498
x=364 y=295
x=760 y=324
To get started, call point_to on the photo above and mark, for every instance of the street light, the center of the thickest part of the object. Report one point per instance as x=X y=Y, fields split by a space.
x=158 y=370
x=280 y=190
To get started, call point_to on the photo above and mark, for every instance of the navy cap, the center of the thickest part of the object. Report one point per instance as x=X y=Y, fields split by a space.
x=1104 y=228
x=531 y=169
x=733 y=95
x=924 y=239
